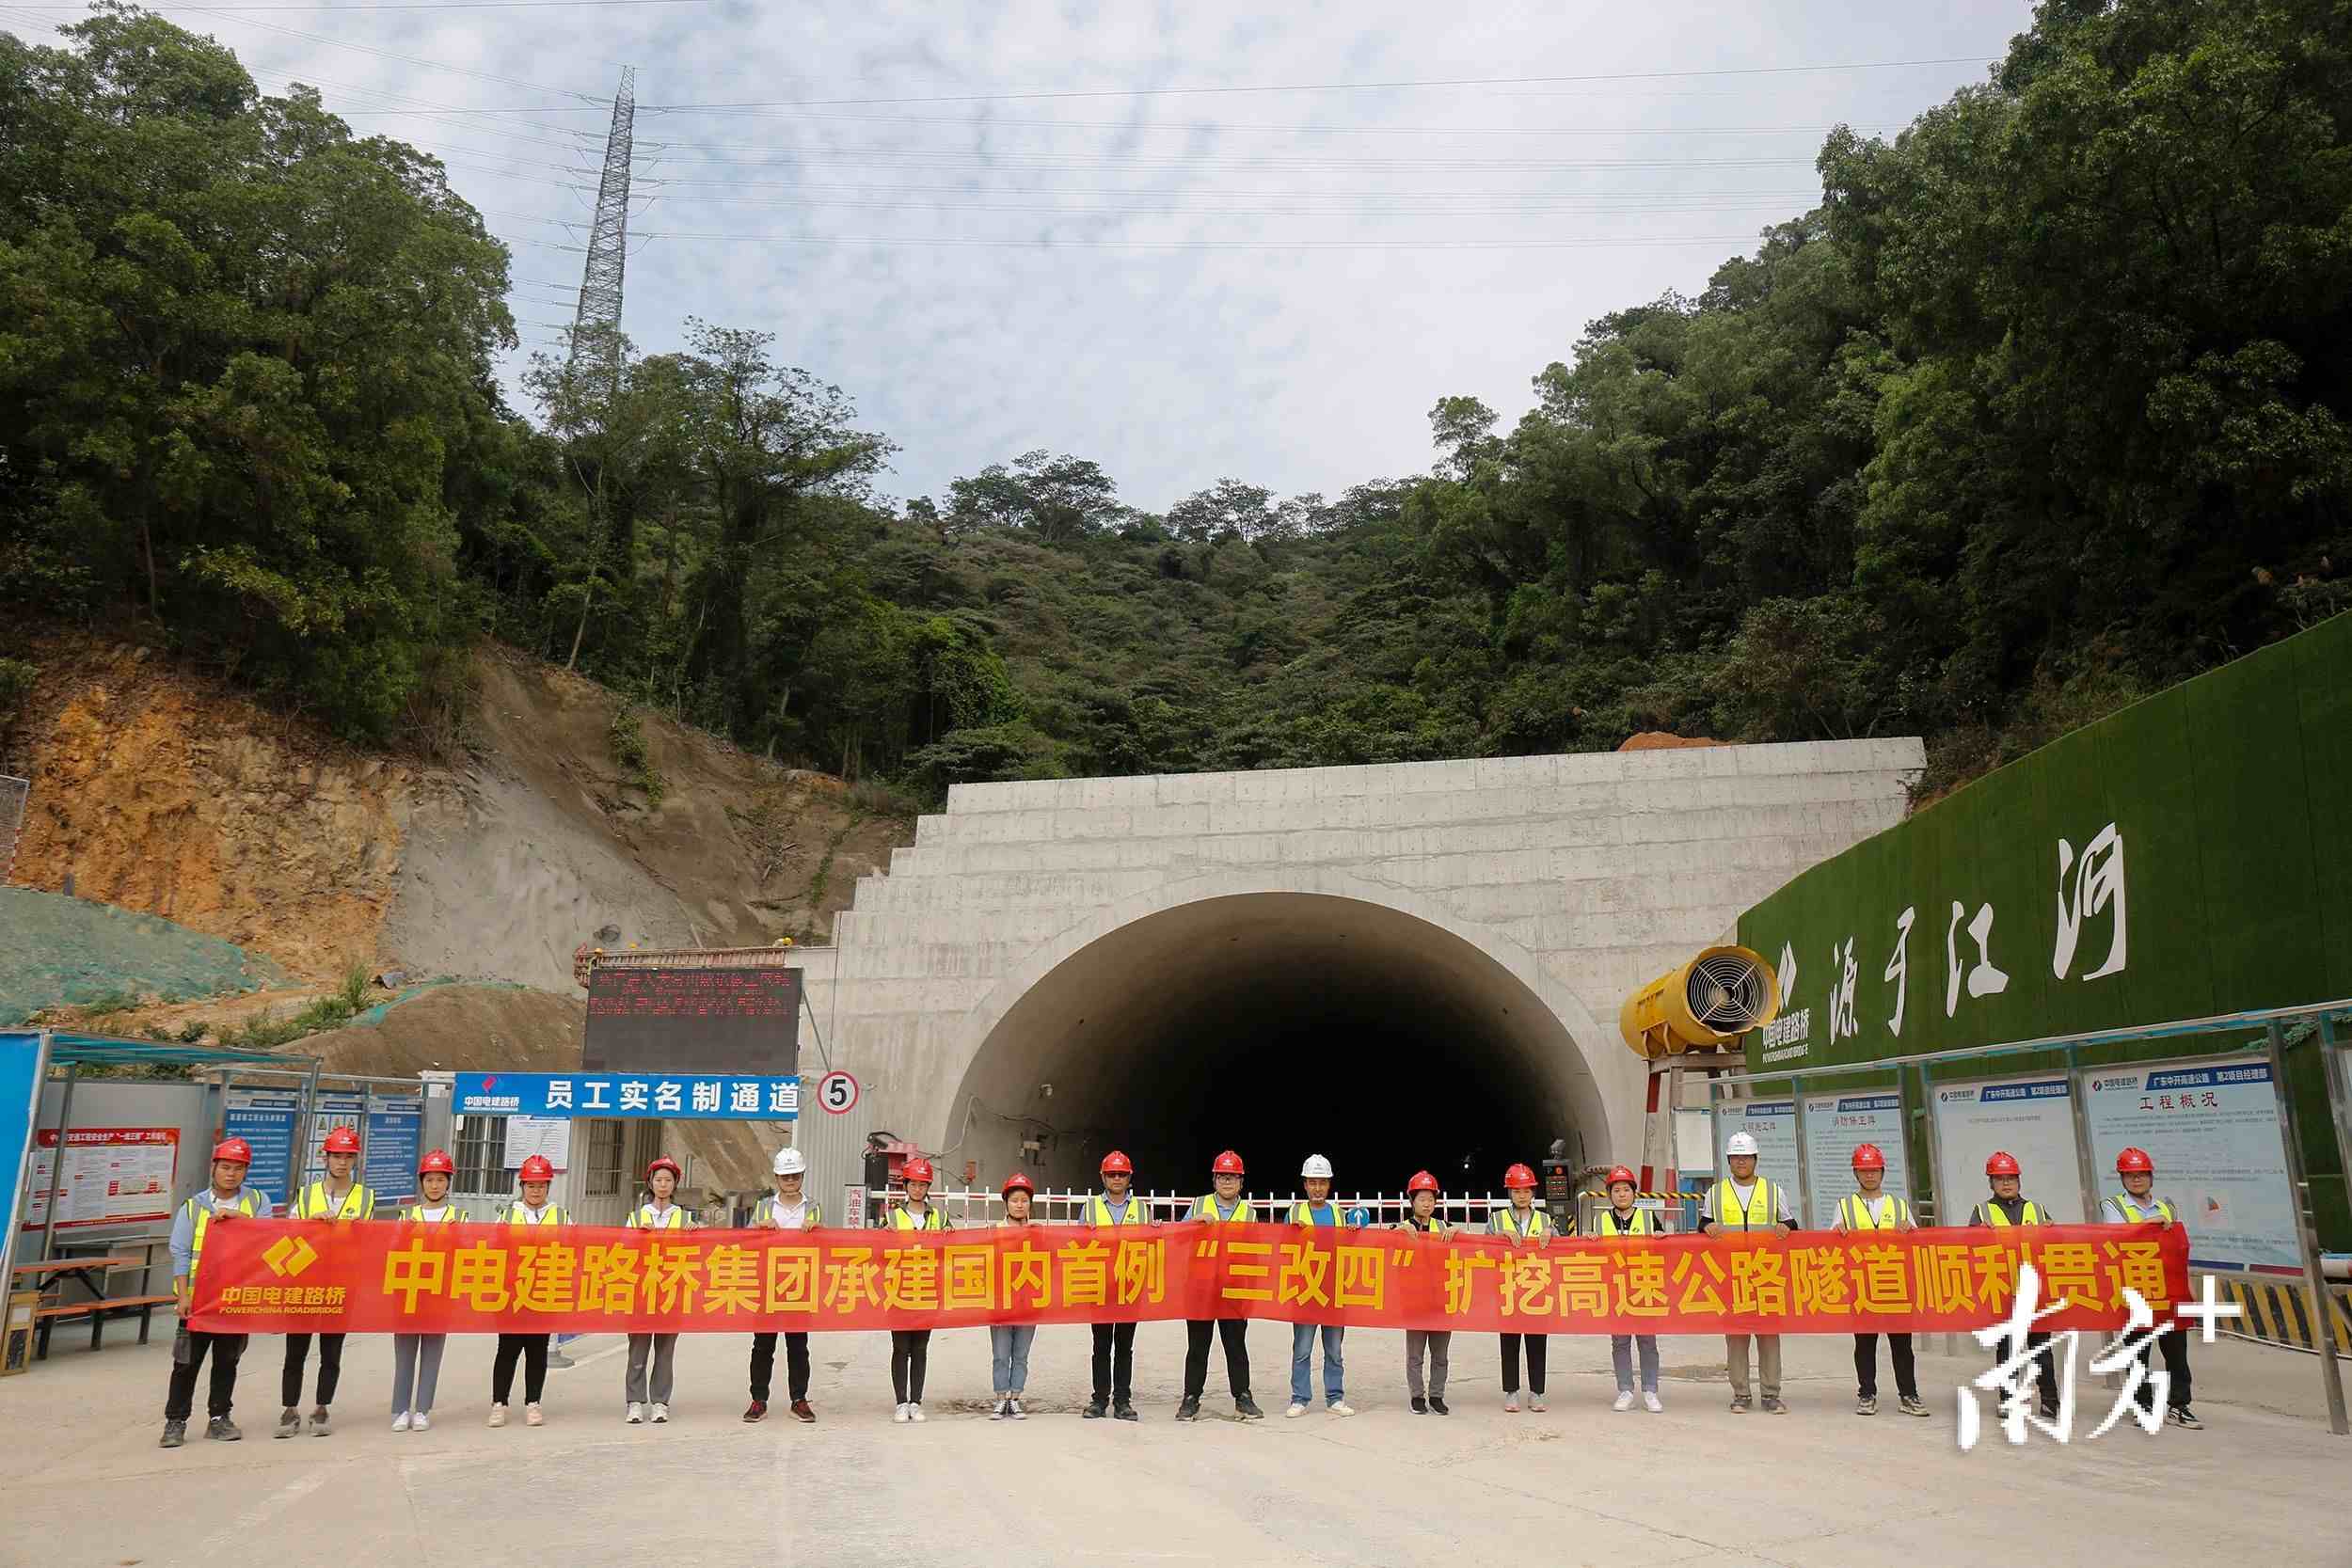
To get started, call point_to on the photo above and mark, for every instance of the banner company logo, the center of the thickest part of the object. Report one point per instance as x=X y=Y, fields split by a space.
x=2131 y=1083
x=1944 y=1096
x=289 y=1255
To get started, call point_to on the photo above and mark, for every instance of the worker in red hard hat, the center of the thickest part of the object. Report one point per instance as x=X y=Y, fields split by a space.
x=533 y=1210
x=340 y=1196
x=1222 y=1205
x=1434 y=1345
x=1009 y=1343
x=417 y=1357
x=660 y=1212
x=1115 y=1343
x=911 y=1347
x=2008 y=1206
x=226 y=1199
x=1870 y=1207
x=2138 y=1204
x=1743 y=1201
x=1624 y=1217
x=1520 y=1223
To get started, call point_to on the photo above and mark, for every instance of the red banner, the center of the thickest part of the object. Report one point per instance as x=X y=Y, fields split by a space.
x=316 y=1276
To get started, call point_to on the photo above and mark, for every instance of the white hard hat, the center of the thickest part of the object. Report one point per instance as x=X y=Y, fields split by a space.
x=1741 y=1143
x=791 y=1162
x=1317 y=1165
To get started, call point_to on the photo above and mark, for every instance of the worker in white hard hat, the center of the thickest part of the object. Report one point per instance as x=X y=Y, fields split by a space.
x=785 y=1210
x=1743 y=1201
x=1316 y=1208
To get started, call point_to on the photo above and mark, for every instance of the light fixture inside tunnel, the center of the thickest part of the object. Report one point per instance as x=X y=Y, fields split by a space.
x=1708 y=1002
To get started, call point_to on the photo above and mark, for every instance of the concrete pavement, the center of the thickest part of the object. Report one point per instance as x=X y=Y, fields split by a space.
x=1819 y=1488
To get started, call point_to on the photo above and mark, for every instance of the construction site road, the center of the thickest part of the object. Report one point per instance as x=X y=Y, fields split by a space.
x=1820 y=1487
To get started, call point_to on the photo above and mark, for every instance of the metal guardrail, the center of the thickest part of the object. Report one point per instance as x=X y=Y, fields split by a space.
x=983 y=1208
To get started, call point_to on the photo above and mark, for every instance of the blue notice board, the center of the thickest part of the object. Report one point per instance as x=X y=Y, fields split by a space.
x=264 y=1118
x=19 y=1107
x=395 y=1137
x=680 y=1096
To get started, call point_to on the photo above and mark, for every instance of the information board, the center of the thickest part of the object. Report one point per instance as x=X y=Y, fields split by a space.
x=111 y=1175
x=395 y=1139
x=694 y=1020
x=330 y=1109
x=2212 y=1130
x=1773 y=1125
x=1834 y=1126
x=264 y=1118
x=550 y=1138
x=2032 y=1119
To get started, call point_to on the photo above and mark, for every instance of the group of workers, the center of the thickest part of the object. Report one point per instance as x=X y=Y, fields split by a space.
x=1741 y=1201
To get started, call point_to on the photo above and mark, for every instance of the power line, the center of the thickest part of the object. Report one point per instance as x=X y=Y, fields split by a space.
x=381 y=54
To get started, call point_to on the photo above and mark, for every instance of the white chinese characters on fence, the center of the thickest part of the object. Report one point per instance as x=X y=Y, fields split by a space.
x=2098 y=885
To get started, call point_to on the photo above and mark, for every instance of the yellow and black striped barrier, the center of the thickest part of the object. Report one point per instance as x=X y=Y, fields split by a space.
x=2279 y=1311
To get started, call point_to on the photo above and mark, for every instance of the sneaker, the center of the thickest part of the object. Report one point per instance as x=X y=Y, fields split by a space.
x=1247 y=1408
x=222 y=1430
x=915 y=1410
x=636 y=1416
x=756 y=1411
x=802 y=1412
x=1773 y=1407
x=1189 y=1409
x=660 y=1413
x=1125 y=1411
x=898 y=1413
x=1096 y=1408
x=1738 y=1404
x=1296 y=1410
x=2050 y=1411
x=2182 y=1416
x=319 y=1427
x=419 y=1421
x=1001 y=1410
x=1624 y=1399
x=1535 y=1403
x=290 y=1424
x=498 y=1414
x=1012 y=1408
x=175 y=1433
x=533 y=1416
x=1340 y=1407
x=1437 y=1406
x=1651 y=1404
x=1911 y=1406
x=1510 y=1404
x=1421 y=1406
x=400 y=1422
x=1866 y=1405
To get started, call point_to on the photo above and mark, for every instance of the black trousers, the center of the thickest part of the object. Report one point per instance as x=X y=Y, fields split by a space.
x=1228 y=1330
x=188 y=1349
x=2045 y=1365
x=1115 y=1362
x=909 y=1358
x=2173 y=1343
x=1537 y=1345
x=1866 y=1365
x=795 y=1365
x=533 y=1351
x=330 y=1368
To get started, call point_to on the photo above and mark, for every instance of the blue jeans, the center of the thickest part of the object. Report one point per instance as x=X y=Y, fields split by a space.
x=1009 y=1363
x=1302 y=1362
x=1621 y=1347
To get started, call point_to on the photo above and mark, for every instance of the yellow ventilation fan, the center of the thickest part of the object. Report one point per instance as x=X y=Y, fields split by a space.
x=1709 y=1002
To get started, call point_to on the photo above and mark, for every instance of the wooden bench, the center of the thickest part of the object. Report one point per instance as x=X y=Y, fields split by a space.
x=47 y=1318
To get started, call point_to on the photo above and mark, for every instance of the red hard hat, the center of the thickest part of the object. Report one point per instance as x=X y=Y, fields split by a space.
x=2002 y=1163
x=2133 y=1160
x=1422 y=1182
x=1018 y=1182
x=1869 y=1157
x=437 y=1160
x=662 y=1162
x=1116 y=1163
x=1518 y=1176
x=342 y=1140
x=234 y=1149
x=1617 y=1174
x=1228 y=1164
x=536 y=1168
x=918 y=1169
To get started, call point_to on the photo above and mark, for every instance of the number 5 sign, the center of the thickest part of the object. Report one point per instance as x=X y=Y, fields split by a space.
x=836 y=1092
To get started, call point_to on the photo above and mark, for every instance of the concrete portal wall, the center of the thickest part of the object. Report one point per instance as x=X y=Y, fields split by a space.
x=1583 y=875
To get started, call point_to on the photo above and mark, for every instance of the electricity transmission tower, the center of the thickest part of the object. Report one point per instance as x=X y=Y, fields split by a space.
x=598 y=323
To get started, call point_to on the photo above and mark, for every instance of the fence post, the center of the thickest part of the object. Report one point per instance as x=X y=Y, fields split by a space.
x=2307 y=1233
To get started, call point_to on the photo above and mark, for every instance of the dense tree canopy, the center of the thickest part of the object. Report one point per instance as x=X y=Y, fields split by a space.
x=2042 y=408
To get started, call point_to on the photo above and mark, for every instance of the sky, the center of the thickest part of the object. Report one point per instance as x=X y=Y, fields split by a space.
x=1189 y=242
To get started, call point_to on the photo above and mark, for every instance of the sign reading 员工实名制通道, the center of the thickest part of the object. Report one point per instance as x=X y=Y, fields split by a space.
x=683 y=1096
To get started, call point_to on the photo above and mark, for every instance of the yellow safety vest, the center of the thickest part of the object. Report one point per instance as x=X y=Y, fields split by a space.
x=1641 y=1223
x=645 y=1219
x=1206 y=1209
x=1860 y=1215
x=313 y=1203
x=1537 y=1223
x=513 y=1215
x=2131 y=1209
x=1099 y=1210
x=1758 y=1214
x=1998 y=1218
x=1303 y=1213
x=763 y=1212
x=201 y=1213
x=903 y=1218
x=451 y=1213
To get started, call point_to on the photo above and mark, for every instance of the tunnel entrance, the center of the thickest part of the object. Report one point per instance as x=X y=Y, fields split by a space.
x=1278 y=1025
